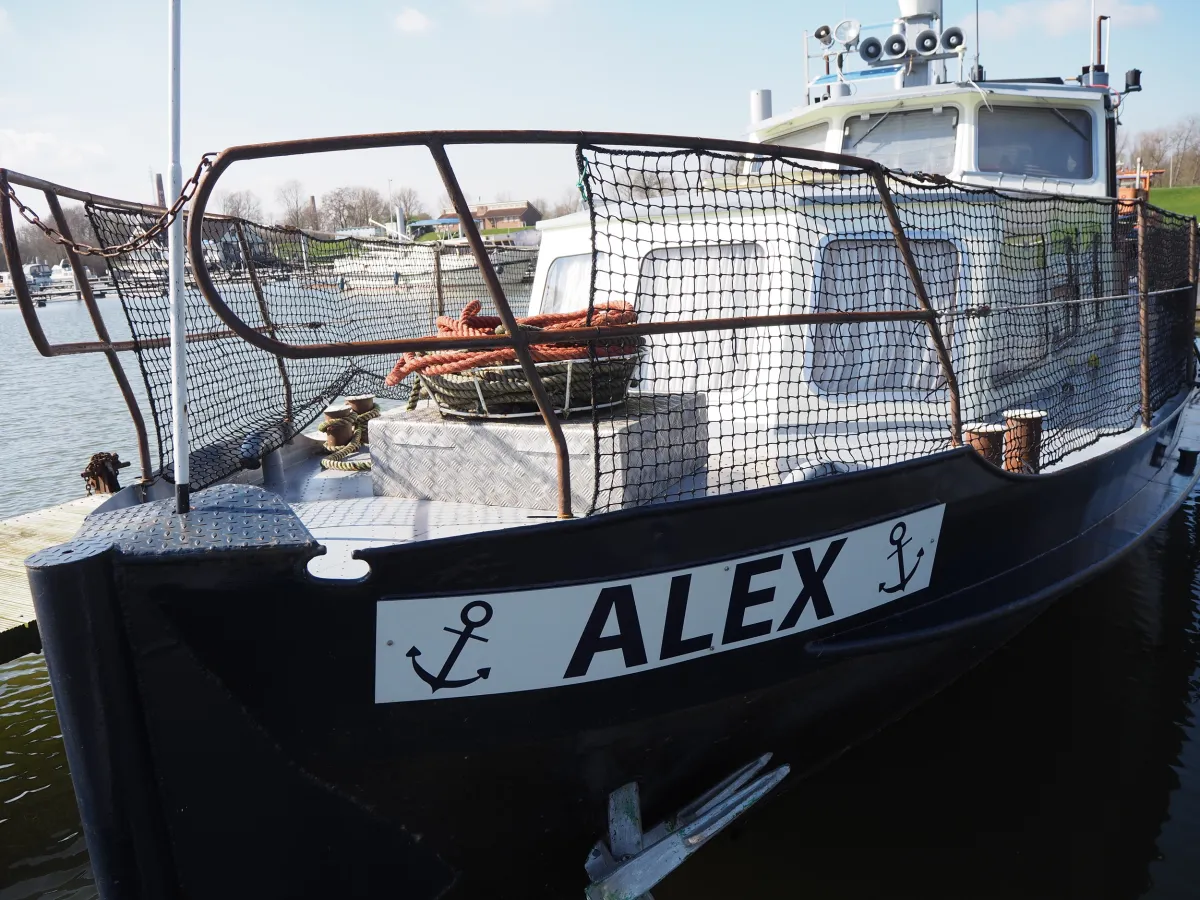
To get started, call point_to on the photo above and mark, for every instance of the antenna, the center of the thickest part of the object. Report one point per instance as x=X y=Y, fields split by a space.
x=1096 y=36
x=977 y=74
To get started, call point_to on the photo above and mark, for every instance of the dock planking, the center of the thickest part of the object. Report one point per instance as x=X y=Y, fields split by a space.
x=20 y=537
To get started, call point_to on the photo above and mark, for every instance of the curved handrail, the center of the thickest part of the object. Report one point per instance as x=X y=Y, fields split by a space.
x=436 y=142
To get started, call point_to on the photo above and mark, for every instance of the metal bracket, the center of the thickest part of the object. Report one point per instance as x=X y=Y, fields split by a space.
x=633 y=862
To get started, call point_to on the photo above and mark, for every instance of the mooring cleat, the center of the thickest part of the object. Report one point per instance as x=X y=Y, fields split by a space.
x=633 y=862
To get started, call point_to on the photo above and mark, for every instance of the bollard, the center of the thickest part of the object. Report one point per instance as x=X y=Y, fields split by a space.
x=338 y=426
x=987 y=439
x=1023 y=440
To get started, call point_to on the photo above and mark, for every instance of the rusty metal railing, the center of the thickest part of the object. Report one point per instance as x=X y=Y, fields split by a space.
x=516 y=339
x=105 y=345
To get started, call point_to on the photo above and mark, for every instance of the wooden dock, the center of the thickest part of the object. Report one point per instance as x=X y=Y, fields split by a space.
x=20 y=537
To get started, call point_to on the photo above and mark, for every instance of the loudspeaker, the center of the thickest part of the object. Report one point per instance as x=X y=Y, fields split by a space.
x=824 y=34
x=926 y=42
x=952 y=38
x=896 y=45
x=871 y=49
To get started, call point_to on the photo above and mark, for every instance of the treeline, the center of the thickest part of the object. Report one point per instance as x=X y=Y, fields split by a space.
x=1175 y=150
x=343 y=207
x=356 y=205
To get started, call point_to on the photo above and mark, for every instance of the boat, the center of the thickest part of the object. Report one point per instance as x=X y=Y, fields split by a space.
x=37 y=275
x=418 y=266
x=62 y=275
x=819 y=420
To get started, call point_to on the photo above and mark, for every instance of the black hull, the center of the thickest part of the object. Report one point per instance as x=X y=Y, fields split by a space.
x=218 y=705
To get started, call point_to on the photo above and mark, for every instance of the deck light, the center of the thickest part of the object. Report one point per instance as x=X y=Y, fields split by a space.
x=847 y=31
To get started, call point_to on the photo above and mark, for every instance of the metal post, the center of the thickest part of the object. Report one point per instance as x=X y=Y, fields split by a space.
x=266 y=317
x=1193 y=266
x=807 y=88
x=179 y=422
x=519 y=342
x=89 y=299
x=1143 y=311
x=935 y=332
x=437 y=278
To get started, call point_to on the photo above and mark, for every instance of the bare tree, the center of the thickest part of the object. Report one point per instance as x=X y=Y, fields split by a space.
x=568 y=202
x=294 y=201
x=241 y=205
x=348 y=207
x=409 y=202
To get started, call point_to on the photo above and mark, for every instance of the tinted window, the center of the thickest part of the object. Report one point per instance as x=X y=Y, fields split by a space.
x=915 y=140
x=1036 y=140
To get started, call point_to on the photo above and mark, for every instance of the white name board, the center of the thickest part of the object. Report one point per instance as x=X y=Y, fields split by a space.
x=445 y=647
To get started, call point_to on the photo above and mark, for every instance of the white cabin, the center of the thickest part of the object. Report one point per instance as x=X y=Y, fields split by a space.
x=822 y=244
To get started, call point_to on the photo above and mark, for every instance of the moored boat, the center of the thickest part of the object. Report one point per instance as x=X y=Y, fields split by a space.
x=816 y=435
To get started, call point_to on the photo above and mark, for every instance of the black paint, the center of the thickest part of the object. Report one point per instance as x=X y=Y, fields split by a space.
x=741 y=598
x=812 y=576
x=674 y=643
x=628 y=638
x=252 y=686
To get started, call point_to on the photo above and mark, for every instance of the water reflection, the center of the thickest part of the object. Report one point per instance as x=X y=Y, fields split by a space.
x=1066 y=766
x=1046 y=773
x=42 y=851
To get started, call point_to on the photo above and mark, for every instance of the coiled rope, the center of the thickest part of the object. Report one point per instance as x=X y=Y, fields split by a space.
x=471 y=324
x=337 y=459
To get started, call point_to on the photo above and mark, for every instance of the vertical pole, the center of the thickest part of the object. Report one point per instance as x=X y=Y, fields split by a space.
x=1193 y=272
x=437 y=278
x=265 y=312
x=807 y=89
x=114 y=363
x=918 y=283
x=520 y=343
x=1143 y=311
x=179 y=411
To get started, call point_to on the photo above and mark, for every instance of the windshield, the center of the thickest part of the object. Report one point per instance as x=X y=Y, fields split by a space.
x=1036 y=140
x=911 y=140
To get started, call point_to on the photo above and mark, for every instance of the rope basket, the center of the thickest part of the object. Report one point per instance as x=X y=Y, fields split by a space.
x=503 y=391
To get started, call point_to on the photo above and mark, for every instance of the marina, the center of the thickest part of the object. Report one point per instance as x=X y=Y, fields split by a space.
x=617 y=540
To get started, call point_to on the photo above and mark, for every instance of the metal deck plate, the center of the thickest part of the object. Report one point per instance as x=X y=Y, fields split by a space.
x=344 y=526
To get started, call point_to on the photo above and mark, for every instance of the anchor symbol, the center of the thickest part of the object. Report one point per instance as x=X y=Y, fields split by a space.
x=899 y=541
x=442 y=679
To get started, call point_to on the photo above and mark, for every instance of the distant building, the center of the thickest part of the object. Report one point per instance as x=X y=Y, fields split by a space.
x=443 y=226
x=501 y=214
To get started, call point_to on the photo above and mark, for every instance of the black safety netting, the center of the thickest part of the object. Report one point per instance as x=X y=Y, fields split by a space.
x=298 y=288
x=1037 y=301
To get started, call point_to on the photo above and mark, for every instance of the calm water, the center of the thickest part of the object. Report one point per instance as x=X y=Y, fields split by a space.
x=1066 y=766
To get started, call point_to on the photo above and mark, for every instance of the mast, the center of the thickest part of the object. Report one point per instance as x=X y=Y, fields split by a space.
x=179 y=423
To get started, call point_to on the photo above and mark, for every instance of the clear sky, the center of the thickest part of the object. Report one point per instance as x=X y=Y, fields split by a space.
x=83 y=85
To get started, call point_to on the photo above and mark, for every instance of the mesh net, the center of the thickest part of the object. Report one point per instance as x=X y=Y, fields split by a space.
x=299 y=288
x=1037 y=302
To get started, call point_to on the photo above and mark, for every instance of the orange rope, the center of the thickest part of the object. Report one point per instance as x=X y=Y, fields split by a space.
x=471 y=324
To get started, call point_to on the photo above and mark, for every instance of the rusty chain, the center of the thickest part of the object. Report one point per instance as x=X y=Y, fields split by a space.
x=136 y=243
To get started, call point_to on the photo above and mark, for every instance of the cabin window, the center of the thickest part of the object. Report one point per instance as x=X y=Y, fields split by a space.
x=811 y=138
x=1042 y=141
x=703 y=281
x=869 y=275
x=913 y=140
x=568 y=284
